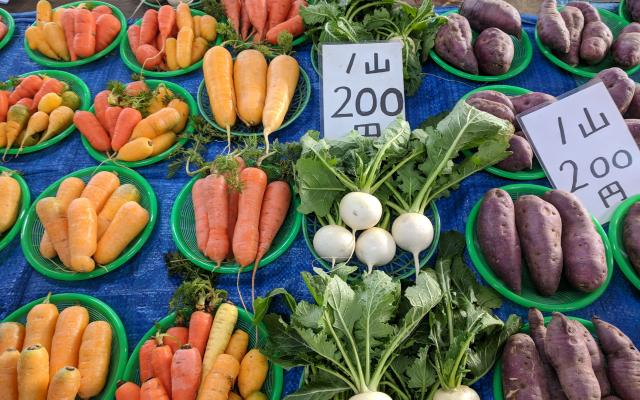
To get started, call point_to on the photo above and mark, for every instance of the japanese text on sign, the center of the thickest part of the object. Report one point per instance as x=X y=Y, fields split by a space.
x=362 y=87
x=585 y=147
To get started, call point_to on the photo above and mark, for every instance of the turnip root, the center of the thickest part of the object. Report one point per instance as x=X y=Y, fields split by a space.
x=552 y=30
x=370 y=396
x=494 y=50
x=453 y=44
x=375 y=247
x=522 y=369
x=538 y=332
x=620 y=86
x=413 y=232
x=360 y=210
x=574 y=21
x=462 y=392
x=483 y=14
x=598 y=362
x=631 y=236
x=626 y=48
x=522 y=157
x=623 y=360
x=334 y=243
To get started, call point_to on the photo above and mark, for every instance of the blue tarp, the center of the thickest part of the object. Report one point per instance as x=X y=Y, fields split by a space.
x=139 y=290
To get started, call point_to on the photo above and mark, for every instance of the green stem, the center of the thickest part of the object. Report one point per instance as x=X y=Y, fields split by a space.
x=397 y=195
x=433 y=391
x=355 y=374
x=337 y=375
x=453 y=379
x=341 y=177
x=396 y=389
x=374 y=166
x=394 y=206
x=353 y=12
x=394 y=170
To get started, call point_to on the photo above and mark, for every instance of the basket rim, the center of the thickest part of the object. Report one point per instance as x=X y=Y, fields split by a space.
x=617 y=241
x=11 y=27
x=25 y=202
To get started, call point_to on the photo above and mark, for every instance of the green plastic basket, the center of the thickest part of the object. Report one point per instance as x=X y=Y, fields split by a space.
x=182 y=138
x=33 y=230
x=158 y=3
x=78 y=86
x=98 y=311
x=25 y=201
x=272 y=386
x=132 y=63
x=313 y=54
x=298 y=104
x=11 y=27
x=523 y=53
x=536 y=172
x=616 y=226
x=566 y=298
x=498 y=394
x=183 y=231
x=616 y=24
x=401 y=266
x=48 y=62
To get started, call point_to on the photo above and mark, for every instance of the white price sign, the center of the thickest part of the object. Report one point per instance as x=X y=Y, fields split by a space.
x=586 y=148
x=362 y=87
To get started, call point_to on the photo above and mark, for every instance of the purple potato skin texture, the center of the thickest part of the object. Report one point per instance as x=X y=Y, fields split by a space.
x=626 y=48
x=585 y=265
x=611 y=397
x=574 y=21
x=498 y=238
x=633 y=112
x=494 y=51
x=538 y=332
x=522 y=370
x=596 y=41
x=631 y=236
x=569 y=356
x=491 y=107
x=634 y=128
x=522 y=157
x=525 y=102
x=483 y=14
x=588 y=11
x=492 y=95
x=633 y=6
x=540 y=231
x=598 y=361
x=454 y=45
x=551 y=27
x=623 y=360
x=620 y=86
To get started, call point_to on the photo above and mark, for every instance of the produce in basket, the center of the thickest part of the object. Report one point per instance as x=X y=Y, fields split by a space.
x=631 y=236
x=3 y=28
x=9 y=201
x=552 y=28
x=626 y=48
x=484 y=14
x=633 y=8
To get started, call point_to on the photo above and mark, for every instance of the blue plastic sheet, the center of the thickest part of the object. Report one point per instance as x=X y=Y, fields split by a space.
x=139 y=291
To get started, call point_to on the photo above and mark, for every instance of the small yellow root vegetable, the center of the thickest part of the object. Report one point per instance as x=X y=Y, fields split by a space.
x=208 y=28
x=9 y=201
x=253 y=372
x=54 y=35
x=156 y=124
x=128 y=222
x=183 y=109
x=162 y=143
x=123 y=194
x=136 y=150
x=198 y=49
x=59 y=120
x=50 y=102
x=43 y=12
x=37 y=41
x=170 y=50
x=250 y=79
x=184 y=46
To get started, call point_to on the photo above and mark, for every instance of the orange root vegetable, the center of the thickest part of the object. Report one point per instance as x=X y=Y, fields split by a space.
x=277 y=12
x=69 y=189
x=234 y=196
x=111 y=115
x=253 y=372
x=126 y=122
x=234 y=396
x=3 y=134
x=37 y=123
x=232 y=9
x=27 y=103
x=227 y=366
x=4 y=105
x=89 y=126
x=275 y=207
x=250 y=80
x=199 y=200
x=37 y=40
x=9 y=359
x=186 y=368
x=17 y=119
x=238 y=344
x=208 y=28
x=94 y=358
x=49 y=85
x=183 y=16
x=221 y=330
x=84 y=39
x=11 y=336
x=136 y=87
x=100 y=104
x=166 y=20
x=295 y=26
x=128 y=222
x=54 y=220
x=184 y=45
x=128 y=391
x=101 y=10
x=59 y=120
x=282 y=79
x=67 y=337
x=54 y=35
x=217 y=213
x=144 y=360
x=218 y=77
x=67 y=20
x=64 y=384
x=257 y=10
x=107 y=28
x=199 y=328
x=170 y=51
x=162 y=143
x=153 y=390
x=245 y=22
x=27 y=88
x=133 y=34
x=118 y=198
x=43 y=12
x=161 y=363
x=83 y=234
x=40 y=325
x=158 y=102
x=176 y=336
x=149 y=27
x=215 y=387
x=33 y=373
x=9 y=201
x=157 y=123
x=148 y=56
x=295 y=8
x=196 y=25
x=183 y=109
x=100 y=188
x=136 y=150
x=246 y=234
x=198 y=48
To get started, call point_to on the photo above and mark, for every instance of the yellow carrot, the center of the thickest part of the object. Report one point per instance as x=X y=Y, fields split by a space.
x=43 y=12
x=136 y=150
x=94 y=358
x=184 y=47
x=33 y=373
x=183 y=109
x=198 y=49
x=100 y=188
x=128 y=222
x=218 y=78
x=159 y=101
x=162 y=143
x=221 y=330
x=49 y=102
x=54 y=35
x=9 y=201
x=250 y=79
x=157 y=123
x=65 y=384
x=67 y=337
x=120 y=196
x=282 y=79
x=170 y=49
x=253 y=372
x=37 y=123
x=208 y=28
x=83 y=233
x=59 y=120
x=37 y=41
x=183 y=16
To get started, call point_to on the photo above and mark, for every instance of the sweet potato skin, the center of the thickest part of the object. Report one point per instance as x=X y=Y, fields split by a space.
x=633 y=112
x=574 y=21
x=620 y=86
x=569 y=356
x=626 y=48
x=585 y=266
x=522 y=157
x=589 y=12
x=525 y=102
x=596 y=41
x=454 y=44
x=623 y=360
x=633 y=6
x=498 y=237
x=538 y=332
x=631 y=236
x=598 y=361
x=494 y=108
x=494 y=50
x=522 y=370
x=483 y=14
x=551 y=28
x=634 y=128
x=493 y=96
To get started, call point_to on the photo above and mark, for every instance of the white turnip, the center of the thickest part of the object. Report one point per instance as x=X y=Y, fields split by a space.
x=371 y=396
x=413 y=232
x=375 y=247
x=360 y=210
x=334 y=243
x=462 y=392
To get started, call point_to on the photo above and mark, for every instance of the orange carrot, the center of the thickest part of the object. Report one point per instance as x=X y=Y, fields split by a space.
x=4 y=105
x=9 y=374
x=146 y=370
x=136 y=87
x=238 y=344
x=27 y=88
x=127 y=224
x=246 y=234
x=245 y=22
x=84 y=40
x=54 y=219
x=107 y=28
x=166 y=21
x=217 y=213
x=277 y=12
x=176 y=337
x=257 y=10
x=133 y=33
x=64 y=383
x=183 y=16
x=101 y=10
x=27 y=103
x=295 y=26
x=153 y=390
x=199 y=199
x=149 y=27
x=67 y=337
x=11 y=336
x=234 y=195
x=128 y=391
x=40 y=326
x=49 y=85
x=83 y=234
x=92 y=129
x=295 y=8
x=94 y=358
x=148 y=56
x=100 y=104
x=127 y=120
x=232 y=9
x=111 y=115
x=68 y=25
x=161 y=357
x=186 y=368
x=199 y=327
x=100 y=188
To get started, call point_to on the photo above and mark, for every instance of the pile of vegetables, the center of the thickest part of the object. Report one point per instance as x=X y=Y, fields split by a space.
x=170 y=39
x=9 y=201
x=369 y=337
x=265 y=20
x=331 y=21
x=630 y=235
x=373 y=184
x=36 y=109
x=59 y=354
x=133 y=120
x=554 y=233
x=249 y=89
x=564 y=360
x=90 y=224
x=492 y=51
x=70 y=34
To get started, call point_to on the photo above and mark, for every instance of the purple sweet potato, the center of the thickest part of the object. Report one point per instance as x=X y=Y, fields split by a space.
x=620 y=86
x=494 y=108
x=522 y=370
x=522 y=157
x=569 y=356
x=540 y=231
x=585 y=266
x=611 y=397
x=538 y=332
x=494 y=51
x=483 y=14
x=528 y=101
x=574 y=21
x=588 y=11
x=493 y=96
x=596 y=41
x=552 y=29
x=631 y=236
x=634 y=128
x=623 y=360
x=633 y=7
x=633 y=112
x=626 y=48
x=498 y=237
x=598 y=361
x=453 y=44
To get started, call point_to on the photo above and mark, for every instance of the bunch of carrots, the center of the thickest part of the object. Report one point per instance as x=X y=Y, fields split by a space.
x=249 y=88
x=58 y=355
x=9 y=201
x=72 y=33
x=90 y=224
x=38 y=108
x=133 y=120
x=265 y=19
x=3 y=29
x=170 y=39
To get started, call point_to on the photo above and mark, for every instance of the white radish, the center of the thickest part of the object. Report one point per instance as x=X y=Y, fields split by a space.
x=462 y=392
x=413 y=232
x=375 y=247
x=371 y=396
x=360 y=210
x=334 y=243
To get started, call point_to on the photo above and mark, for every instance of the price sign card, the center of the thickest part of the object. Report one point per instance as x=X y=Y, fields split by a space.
x=586 y=148
x=362 y=87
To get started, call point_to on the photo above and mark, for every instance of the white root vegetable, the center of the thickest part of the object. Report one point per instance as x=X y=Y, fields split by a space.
x=334 y=243
x=360 y=210
x=413 y=232
x=371 y=396
x=462 y=392
x=375 y=247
